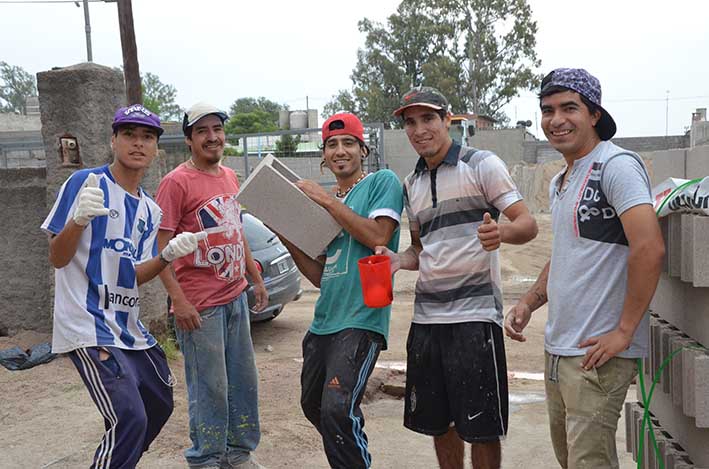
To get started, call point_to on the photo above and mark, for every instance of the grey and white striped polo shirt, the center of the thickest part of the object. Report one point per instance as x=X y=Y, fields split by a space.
x=458 y=280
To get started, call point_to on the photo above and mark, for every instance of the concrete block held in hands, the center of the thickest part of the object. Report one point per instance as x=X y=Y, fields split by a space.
x=270 y=193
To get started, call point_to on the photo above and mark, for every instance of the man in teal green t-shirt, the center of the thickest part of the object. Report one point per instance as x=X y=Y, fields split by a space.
x=345 y=338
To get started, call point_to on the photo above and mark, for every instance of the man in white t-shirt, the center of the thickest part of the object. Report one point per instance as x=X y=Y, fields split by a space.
x=606 y=258
x=102 y=243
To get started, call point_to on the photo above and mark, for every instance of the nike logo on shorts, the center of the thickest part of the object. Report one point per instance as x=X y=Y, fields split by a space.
x=471 y=417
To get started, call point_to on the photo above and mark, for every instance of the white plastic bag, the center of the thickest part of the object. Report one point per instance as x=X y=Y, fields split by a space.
x=681 y=195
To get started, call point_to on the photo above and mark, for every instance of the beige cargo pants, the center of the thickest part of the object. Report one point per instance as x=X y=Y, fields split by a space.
x=584 y=408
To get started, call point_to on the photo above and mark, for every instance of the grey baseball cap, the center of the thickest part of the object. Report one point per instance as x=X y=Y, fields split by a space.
x=198 y=111
x=582 y=82
x=422 y=96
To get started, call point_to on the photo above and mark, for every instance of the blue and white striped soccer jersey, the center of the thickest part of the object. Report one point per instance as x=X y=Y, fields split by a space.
x=96 y=300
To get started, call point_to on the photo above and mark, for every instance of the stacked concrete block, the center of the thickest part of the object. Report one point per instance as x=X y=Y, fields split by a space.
x=669 y=453
x=688 y=402
x=674 y=244
x=687 y=249
x=271 y=195
x=679 y=328
x=700 y=252
x=701 y=390
x=677 y=343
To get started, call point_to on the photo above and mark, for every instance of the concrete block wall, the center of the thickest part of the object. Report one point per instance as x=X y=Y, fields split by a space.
x=679 y=334
x=25 y=298
x=545 y=152
x=671 y=454
x=12 y=122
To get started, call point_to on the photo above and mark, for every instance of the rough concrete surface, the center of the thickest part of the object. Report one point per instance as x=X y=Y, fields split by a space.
x=24 y=275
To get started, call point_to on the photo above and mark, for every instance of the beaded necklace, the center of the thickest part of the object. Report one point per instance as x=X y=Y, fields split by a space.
x=341 y=194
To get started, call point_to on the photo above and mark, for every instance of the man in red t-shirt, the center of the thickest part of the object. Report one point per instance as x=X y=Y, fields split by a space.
x=208 y=293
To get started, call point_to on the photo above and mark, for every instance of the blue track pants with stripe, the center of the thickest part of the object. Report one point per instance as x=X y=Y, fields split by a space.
x=336 y=368
x=132 y=391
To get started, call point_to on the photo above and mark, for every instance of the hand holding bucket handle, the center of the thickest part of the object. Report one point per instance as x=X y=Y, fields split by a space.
x=375 y=277
x=393 y=257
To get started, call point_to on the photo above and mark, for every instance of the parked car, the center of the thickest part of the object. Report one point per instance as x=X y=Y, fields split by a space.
x=277 y=267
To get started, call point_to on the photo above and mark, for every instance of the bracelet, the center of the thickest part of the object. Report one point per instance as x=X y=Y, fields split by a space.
x=163 y=260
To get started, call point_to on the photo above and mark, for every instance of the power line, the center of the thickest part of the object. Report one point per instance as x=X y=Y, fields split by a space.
x=52 y=1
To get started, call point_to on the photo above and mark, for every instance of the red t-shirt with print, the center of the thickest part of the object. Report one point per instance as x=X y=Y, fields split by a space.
x=193 y=201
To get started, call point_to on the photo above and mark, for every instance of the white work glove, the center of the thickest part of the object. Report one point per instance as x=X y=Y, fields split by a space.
x=181 y=245
x=90 y=204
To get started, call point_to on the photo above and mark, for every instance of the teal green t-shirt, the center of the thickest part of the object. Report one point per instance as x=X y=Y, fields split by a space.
x=341 y=305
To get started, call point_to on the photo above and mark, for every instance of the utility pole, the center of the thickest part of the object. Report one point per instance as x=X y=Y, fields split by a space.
x=130 y=52
x=87 y=23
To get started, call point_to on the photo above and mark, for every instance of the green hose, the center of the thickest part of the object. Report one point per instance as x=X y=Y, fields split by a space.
x=646 y=404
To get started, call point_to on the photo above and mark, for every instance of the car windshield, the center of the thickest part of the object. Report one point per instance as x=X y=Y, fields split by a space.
x=258 y=236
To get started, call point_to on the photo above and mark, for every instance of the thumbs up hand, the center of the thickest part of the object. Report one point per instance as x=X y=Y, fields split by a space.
x=181 y=245
x=90 y=202
x=489 y=233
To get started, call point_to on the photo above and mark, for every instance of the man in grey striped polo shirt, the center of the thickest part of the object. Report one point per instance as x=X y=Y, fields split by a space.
x=456 y=381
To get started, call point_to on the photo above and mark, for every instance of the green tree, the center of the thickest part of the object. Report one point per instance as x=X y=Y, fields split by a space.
x=160 y=97
x=287 y=145
x=16 y=85
x=253 y=115
x=479 y=53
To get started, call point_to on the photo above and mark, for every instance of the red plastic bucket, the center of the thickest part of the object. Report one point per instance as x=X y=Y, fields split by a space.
x=375 y=276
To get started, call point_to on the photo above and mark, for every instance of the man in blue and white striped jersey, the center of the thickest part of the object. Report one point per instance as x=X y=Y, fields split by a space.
x=103 y=229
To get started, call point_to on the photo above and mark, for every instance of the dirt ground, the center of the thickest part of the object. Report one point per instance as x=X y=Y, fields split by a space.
x=48 y=421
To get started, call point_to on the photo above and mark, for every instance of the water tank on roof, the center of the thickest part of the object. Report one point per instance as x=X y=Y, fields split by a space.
x=312 y=118
x=298 y=120
x=283 y=119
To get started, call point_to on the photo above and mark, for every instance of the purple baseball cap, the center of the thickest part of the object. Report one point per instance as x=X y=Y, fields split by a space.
x=139 y=115
x=582 y=82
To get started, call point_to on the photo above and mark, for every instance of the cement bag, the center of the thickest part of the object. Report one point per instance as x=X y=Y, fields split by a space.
x=681 y=195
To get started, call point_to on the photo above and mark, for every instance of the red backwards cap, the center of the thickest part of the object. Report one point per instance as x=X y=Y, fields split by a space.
x=343 y=124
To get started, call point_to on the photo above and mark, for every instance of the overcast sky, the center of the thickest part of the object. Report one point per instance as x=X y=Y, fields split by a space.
x=220 y=50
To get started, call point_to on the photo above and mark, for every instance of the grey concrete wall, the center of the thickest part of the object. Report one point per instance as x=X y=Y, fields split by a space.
x=79 y=100
x=18 y=149
x=685 y=163
x=15 y=122
x=665 y=164
x=542 y=151
x=400 y=155
x=508 y=144
x=699 y=134
x=698 y=162
x=25 y=299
